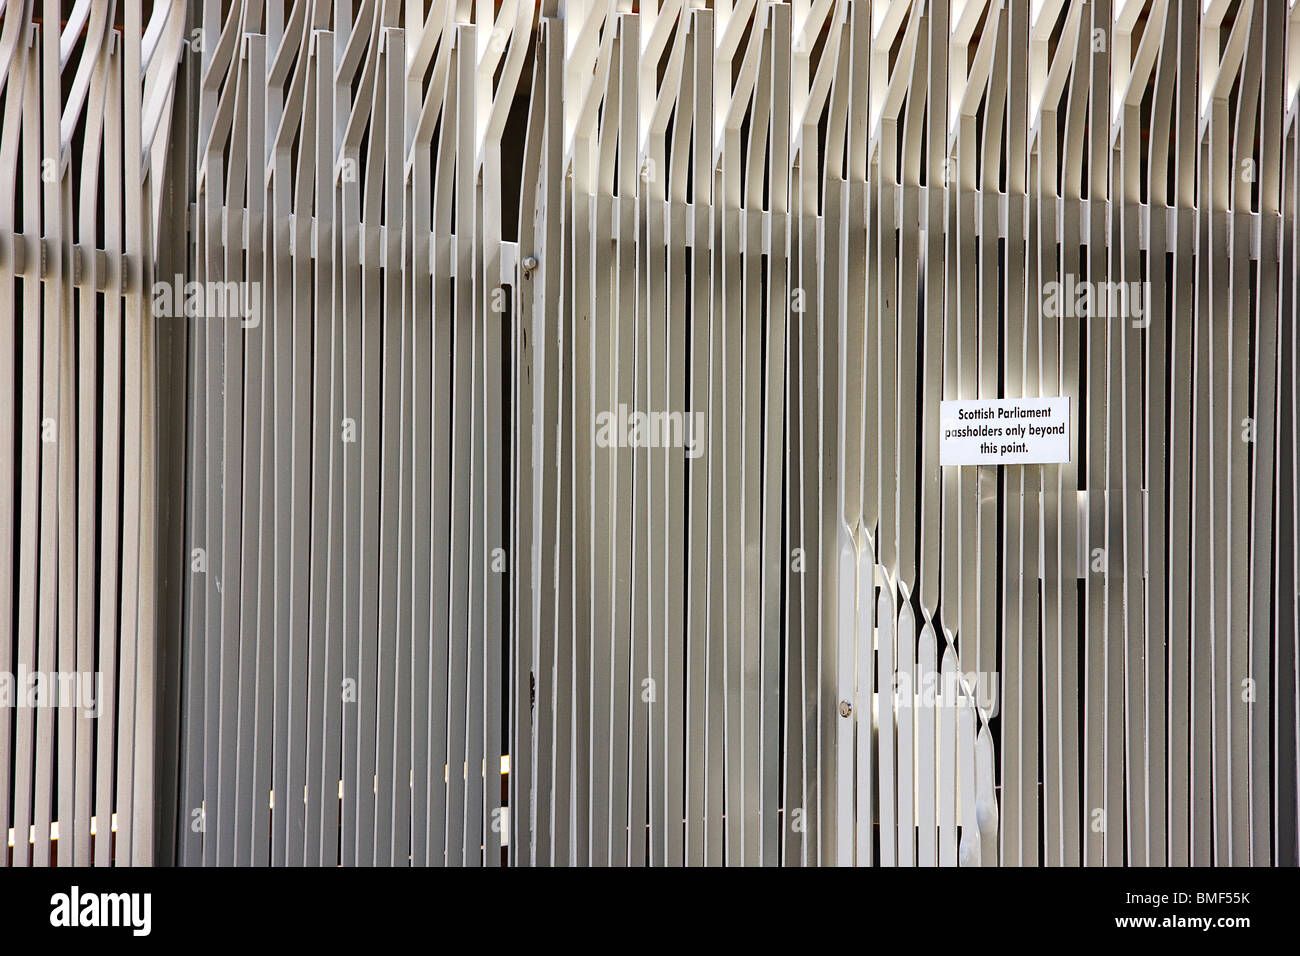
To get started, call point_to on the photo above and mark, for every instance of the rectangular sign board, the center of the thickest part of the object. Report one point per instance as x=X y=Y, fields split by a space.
x=1004 y=431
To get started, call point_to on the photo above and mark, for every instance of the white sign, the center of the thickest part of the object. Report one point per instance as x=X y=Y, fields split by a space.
x=1004 y=431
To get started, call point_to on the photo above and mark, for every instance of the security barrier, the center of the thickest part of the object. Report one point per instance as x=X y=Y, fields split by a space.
x=502 y=433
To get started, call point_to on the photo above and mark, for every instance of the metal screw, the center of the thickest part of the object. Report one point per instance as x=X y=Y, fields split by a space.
x=530 y=266
x=846 y=708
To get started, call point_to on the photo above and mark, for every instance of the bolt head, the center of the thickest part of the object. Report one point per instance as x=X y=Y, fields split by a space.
x=846 y=709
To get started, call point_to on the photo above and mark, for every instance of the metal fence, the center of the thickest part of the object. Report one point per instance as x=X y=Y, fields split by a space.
x=502 y=433
x=87 y=98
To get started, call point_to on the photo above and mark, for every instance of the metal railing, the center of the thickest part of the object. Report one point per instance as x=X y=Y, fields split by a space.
x=556 y=389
